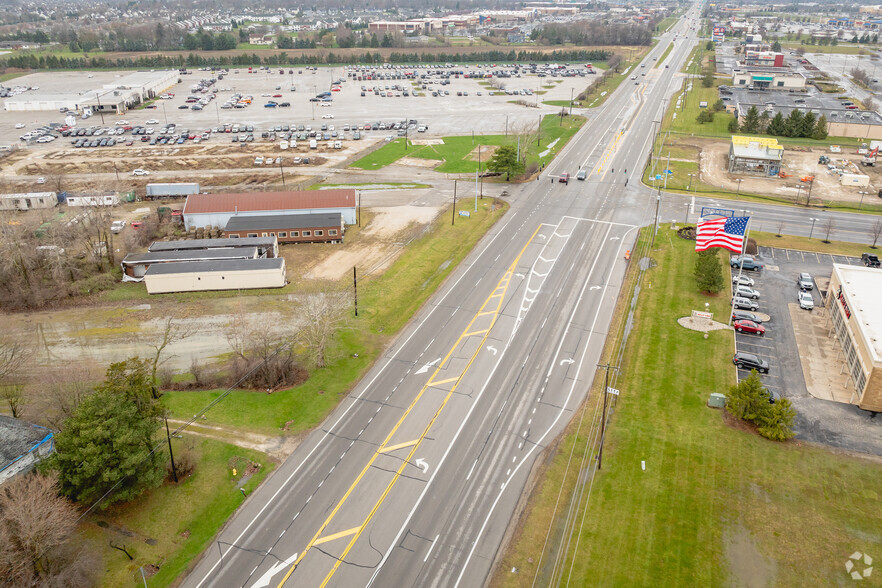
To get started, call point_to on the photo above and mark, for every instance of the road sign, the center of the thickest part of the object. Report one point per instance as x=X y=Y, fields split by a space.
x=612 y=391
x=669 y=172
x=710 y=211
x=658 y=176
x=464 y=213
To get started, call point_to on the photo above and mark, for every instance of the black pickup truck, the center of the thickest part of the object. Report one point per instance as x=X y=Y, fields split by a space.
x=870 y=260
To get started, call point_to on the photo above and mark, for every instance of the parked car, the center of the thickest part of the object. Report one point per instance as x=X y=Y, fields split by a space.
x=806 y=302
x=564 y=178
x=750 y=361
x=743 y=280
x=746 y=292
x=749 y=327
x=804 y=281
x=140 y=172
x=581 y=175
x=743 y=315
x=747 y=262
x=870 y=260
x=117 y=226
x=744 y=303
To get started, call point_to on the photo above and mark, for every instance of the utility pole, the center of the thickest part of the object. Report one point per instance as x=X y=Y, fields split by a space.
x=359 y=209
x=539 y=131
x=172 y=455
x=607 y=367
x=355 y=289
x=453 y=212
x=282 y=169
x=655 y=227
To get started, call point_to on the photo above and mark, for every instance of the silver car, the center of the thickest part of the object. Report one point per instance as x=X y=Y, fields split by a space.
x=746 y=292
x=743 y=280
x=806 y=301
x=742 y=303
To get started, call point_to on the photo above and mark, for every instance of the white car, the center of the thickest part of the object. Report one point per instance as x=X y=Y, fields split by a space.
x=122 y=122
x=327 y=116
x=140 y=172
x=46 y=139
x=806 y=301
x=743 y=280
x=19 y=125
x=41 y=180
x=117 y=226
x=152 y=121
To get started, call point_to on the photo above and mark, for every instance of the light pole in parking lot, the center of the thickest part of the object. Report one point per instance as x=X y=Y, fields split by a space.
x=686 y=217
x=813 y=227
x=737 y=192
x=862 y=198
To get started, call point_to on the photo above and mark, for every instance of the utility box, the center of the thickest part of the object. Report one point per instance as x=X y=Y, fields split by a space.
x=717 y=400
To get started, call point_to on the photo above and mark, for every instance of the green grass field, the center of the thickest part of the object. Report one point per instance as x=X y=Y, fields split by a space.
x=667 y=23
x=663 y=56
x=841 y=48
x=386 y=303
x=460 y=154
x=178 y=521
x=716 y=505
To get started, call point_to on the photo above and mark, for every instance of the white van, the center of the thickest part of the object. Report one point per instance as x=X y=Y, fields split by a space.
x=313 y=144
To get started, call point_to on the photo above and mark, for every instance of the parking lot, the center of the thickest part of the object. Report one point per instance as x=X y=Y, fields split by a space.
x=818 y=420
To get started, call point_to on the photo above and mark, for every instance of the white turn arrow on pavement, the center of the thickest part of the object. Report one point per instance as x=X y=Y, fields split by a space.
x=491 y=348
x=563 y=361
x=594 y=288
x=421 y=463
x=613 y=238
x=519 y=275
x=264 y=580
x=426 y=367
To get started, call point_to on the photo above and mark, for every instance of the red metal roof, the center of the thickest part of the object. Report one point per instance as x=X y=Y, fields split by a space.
x=251 y=201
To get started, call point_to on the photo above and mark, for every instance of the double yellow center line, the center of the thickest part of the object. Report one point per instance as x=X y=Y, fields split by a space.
x=486 y=316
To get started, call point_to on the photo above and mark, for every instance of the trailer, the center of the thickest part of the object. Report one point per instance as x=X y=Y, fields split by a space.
x=158 y=191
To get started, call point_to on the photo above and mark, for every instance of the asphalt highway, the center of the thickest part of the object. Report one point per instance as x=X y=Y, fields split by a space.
x=414 y=479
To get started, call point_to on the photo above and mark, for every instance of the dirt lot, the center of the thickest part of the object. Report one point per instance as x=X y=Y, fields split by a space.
x=713 y=163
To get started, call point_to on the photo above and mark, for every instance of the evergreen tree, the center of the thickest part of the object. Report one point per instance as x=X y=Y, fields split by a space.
x=708 y=271
x=820 y=131
x=776 y=47
x=733 y=125
x=793 y=123
x=106 y=442
x=777 y=127
x=705 y=116
x=750 y=124
x=775 y=422
x=807 y=125
x=763 y=122
x=505 y=159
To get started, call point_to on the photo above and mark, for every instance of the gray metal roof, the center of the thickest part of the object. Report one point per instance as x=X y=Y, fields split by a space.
x=284 y=221
x=225 y=265
x=211 y=243
x=190 y=255
x=17 y=438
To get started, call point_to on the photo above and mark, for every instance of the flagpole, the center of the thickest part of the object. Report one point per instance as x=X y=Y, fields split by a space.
x=740 y=269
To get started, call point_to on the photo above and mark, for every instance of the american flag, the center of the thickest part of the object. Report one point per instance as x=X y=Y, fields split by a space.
x=721 y=232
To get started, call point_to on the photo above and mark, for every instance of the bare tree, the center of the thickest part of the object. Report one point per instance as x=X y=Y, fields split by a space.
x=56 y=392
x=323 y=313
x=36 y=532
x=876 y=231
x=173 y=330
x=869 y=104
x=263 y=353
x=14 y=356
x=828 y=227
x=780 y=228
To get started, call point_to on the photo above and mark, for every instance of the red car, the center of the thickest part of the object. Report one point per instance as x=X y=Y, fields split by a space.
x=749 y=327
x=277 y=95
x=564 y=178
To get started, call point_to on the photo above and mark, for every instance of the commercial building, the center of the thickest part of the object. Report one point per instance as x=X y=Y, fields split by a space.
x=113 y=98
x=771 y=78
x=856 y=317
x=28 y=200
x=198 y=276
x=22 y=446
x=135 y=265
x=216 y=210
x=763 y=59
x=266 y=246
x=289 y=228
x=755 y=155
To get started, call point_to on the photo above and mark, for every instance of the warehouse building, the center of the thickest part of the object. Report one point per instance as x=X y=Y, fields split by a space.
x=856 y=316
x=289 y=228
x=114 y=98
x=755 y=155
x=216 y=210
x=199 y=276
x=266 y=246
x=135 y=265
x=28 y=200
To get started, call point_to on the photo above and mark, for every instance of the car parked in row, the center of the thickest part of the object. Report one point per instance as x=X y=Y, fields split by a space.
x=804 y=281
x=749 y=361
x=745 y=326
x=747 y=262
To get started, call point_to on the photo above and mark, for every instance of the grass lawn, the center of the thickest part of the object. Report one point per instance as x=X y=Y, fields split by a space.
x=717 y=504
x=667 y=23
x=386 y=303
x=598 y=92
x=841 y=48
x=770 y=239
x=172 y=524
x=11 y=76
x=460 y=154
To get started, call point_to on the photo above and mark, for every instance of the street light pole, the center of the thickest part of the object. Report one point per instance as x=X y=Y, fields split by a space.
x=813 y=227
x=862 y=199
x=689 y=187
x=739 y=180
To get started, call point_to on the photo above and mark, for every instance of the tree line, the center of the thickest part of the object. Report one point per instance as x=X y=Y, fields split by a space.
x=589 y=33
x=796 y=124
x=31 y=61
